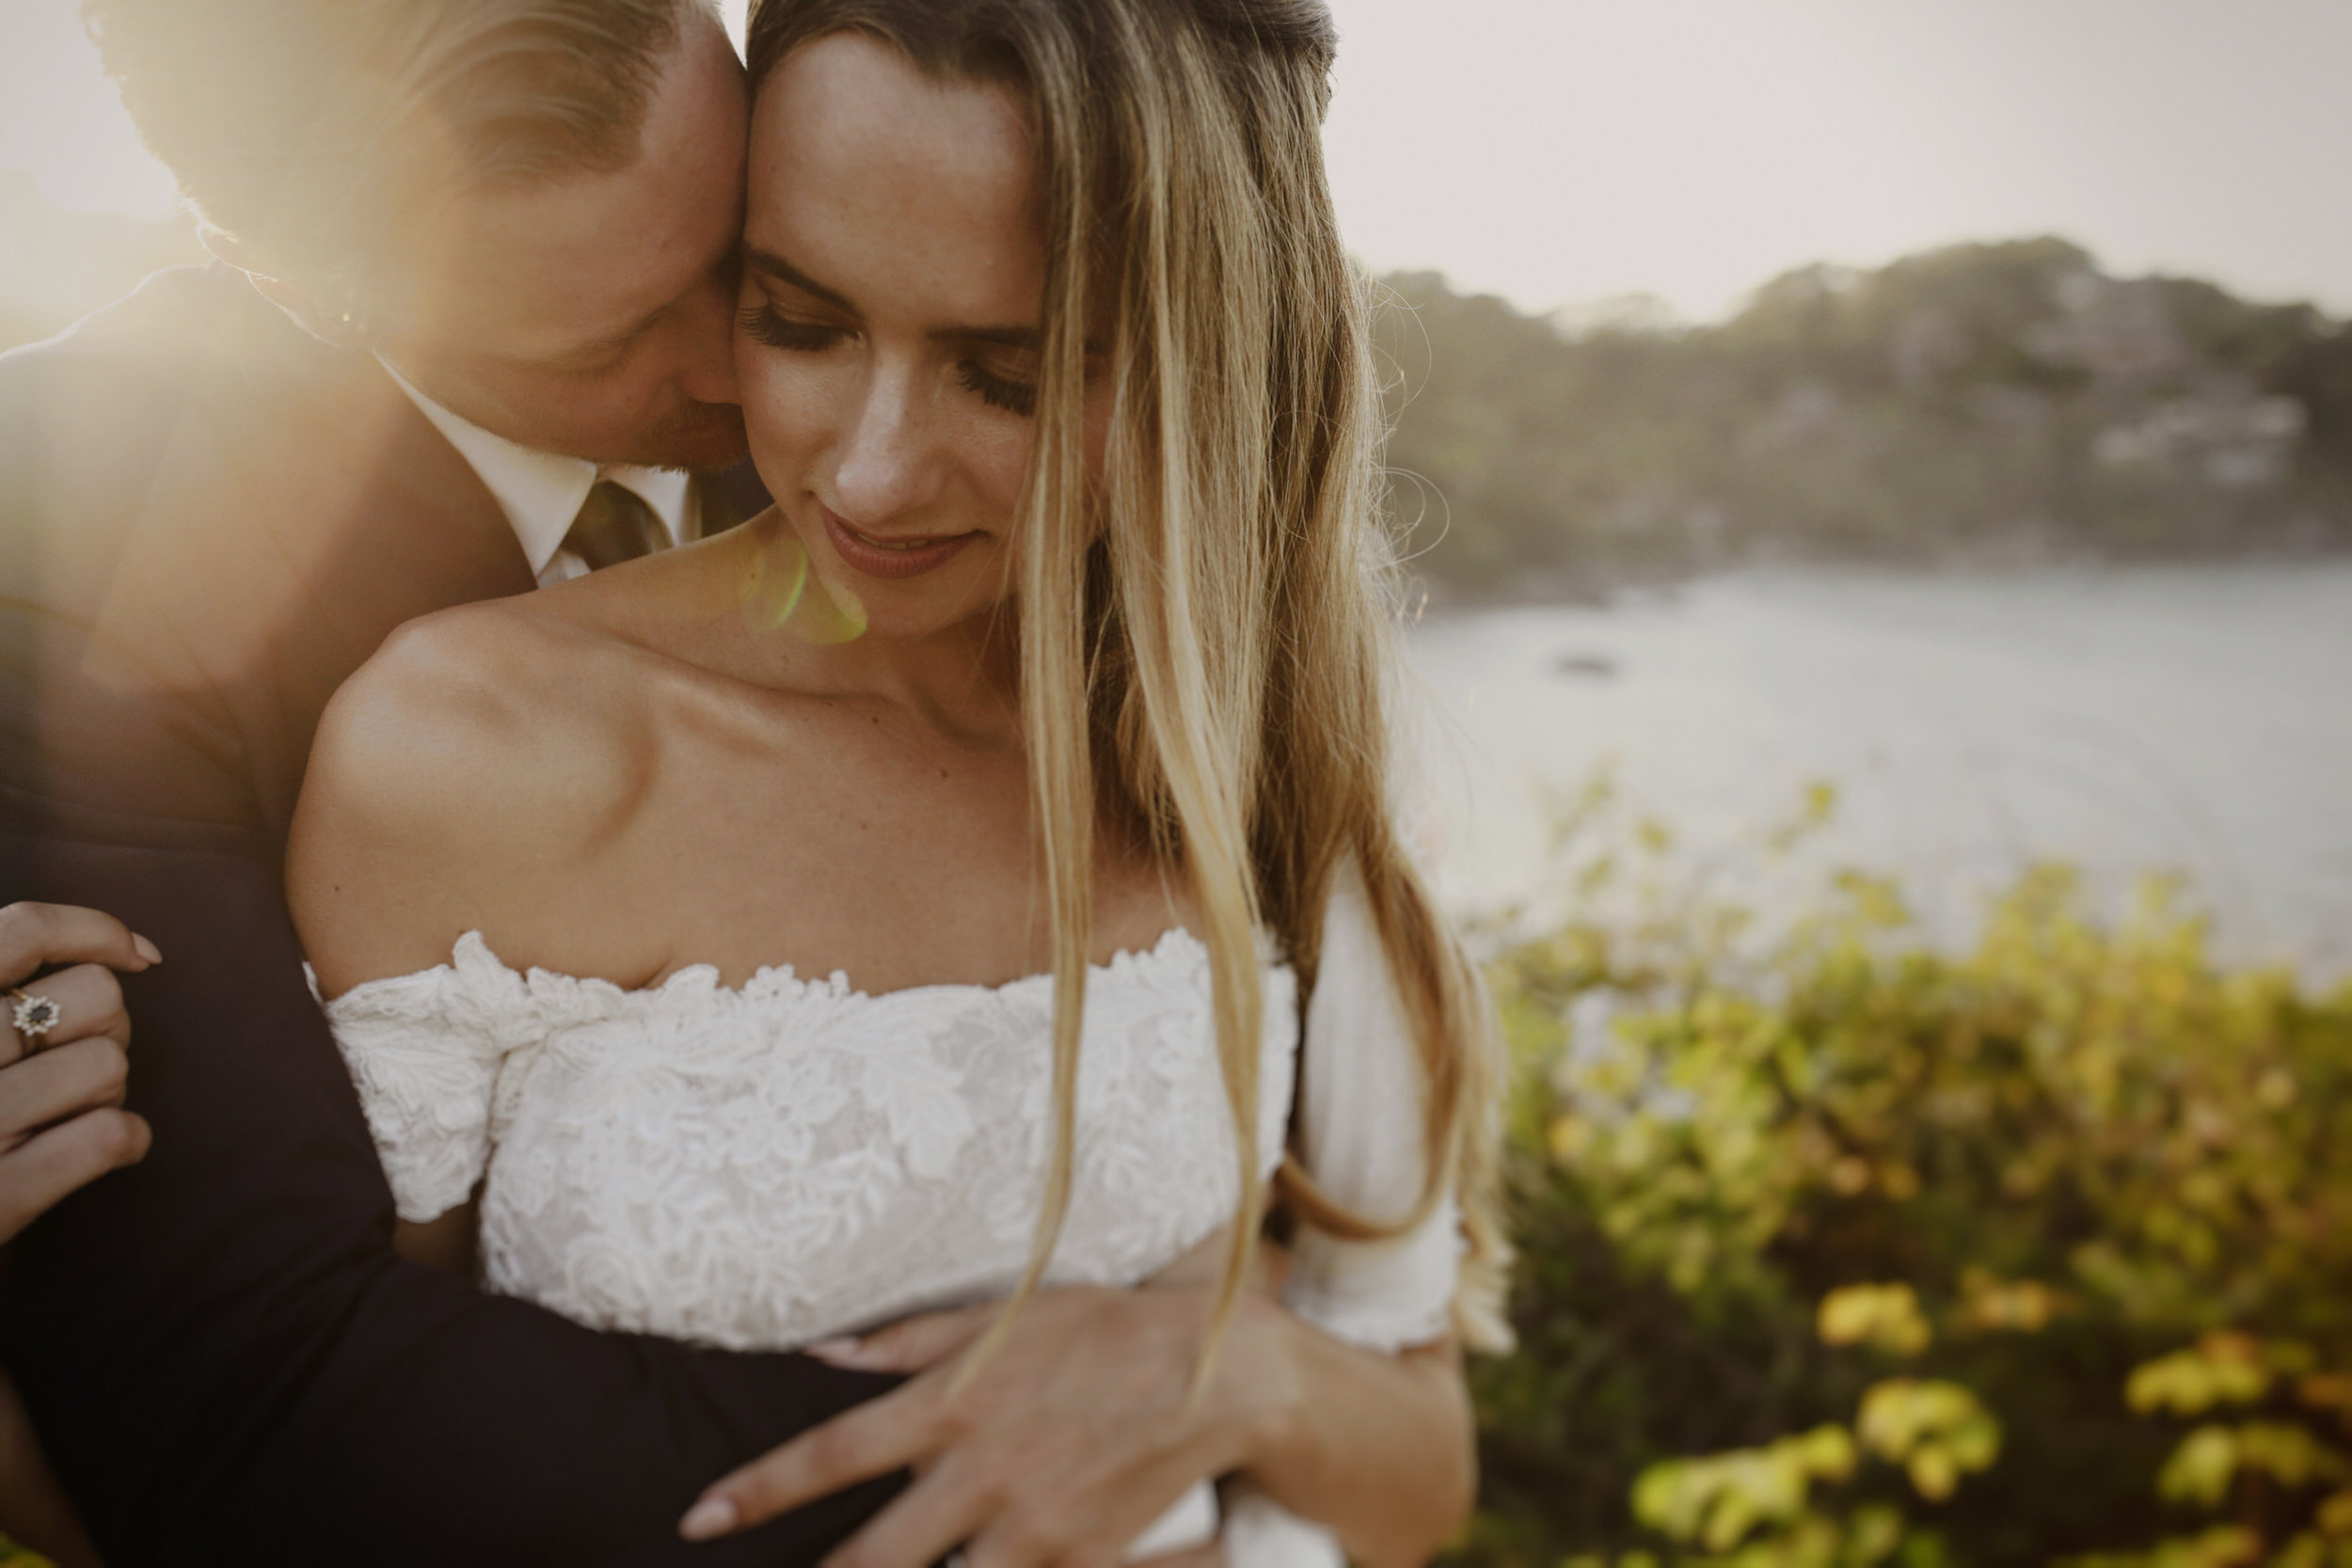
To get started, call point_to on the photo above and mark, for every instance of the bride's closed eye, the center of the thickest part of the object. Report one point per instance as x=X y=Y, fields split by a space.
x=772 y=326
x=765 y=324
x=997 y=390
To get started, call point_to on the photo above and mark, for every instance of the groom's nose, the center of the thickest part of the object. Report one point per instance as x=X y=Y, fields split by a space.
x=707 y=336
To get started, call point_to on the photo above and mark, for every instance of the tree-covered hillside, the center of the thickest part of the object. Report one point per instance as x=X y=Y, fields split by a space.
x=1985 y=403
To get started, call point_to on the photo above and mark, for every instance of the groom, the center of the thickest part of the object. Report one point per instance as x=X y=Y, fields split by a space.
x=469 y=332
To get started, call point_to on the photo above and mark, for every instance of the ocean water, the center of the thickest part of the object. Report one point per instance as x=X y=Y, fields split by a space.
x=2192 y=720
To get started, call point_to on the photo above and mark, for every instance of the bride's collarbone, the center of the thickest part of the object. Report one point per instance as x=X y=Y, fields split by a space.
x=649 y=817
x=877 y=942
x=890 y=899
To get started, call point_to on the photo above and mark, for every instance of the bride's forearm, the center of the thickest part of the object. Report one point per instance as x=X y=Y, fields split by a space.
x=1380 y=1447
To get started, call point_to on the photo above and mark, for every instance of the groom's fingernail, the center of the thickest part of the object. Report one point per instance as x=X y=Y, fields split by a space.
x=711 y=1516
x=847 y=1351
x=147 y=949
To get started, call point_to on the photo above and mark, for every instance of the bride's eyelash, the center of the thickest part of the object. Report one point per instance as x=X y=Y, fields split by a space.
x=997 y=392
x=767 y=324
x=770 y=326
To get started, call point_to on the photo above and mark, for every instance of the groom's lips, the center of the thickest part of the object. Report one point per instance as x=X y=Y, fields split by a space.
x=891 y=559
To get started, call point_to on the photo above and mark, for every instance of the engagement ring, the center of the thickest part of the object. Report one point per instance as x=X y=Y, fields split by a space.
x=35 y=1016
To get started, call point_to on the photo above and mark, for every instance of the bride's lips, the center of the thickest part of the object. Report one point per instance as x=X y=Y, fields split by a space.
x=893 y=558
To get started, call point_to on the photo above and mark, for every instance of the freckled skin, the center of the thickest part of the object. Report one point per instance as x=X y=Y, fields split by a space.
x=632 y=772
x=703 y=787
x=920 y=217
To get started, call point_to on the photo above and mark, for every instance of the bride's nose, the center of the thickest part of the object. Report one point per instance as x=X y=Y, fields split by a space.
x=887 y=465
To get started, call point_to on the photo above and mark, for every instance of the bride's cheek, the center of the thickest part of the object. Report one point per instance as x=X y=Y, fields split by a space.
x=996 y=454
x=788 y=408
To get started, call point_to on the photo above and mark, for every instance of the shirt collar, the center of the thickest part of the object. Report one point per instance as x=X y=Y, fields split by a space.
x=541 y=492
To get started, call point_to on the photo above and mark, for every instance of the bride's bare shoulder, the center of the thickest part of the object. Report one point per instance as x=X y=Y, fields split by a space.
x=452 y=777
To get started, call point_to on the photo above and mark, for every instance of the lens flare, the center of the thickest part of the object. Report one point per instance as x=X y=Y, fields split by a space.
x=782 y=594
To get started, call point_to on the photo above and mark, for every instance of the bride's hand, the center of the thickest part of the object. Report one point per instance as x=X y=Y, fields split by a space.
x=61 y=1077
x=1077 y=1433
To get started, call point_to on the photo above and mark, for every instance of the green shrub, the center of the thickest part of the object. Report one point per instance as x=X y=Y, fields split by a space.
x=1840 y=1249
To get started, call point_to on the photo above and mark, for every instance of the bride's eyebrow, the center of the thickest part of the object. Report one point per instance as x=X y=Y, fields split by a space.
x=775 y=267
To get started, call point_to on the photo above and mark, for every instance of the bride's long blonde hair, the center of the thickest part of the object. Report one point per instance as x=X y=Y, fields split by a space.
x=1204 y=630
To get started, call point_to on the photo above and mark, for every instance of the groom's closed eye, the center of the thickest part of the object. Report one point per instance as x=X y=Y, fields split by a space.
x=594 y=358
x=604 y=354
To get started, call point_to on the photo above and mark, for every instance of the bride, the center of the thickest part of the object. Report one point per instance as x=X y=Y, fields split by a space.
x=976 y=874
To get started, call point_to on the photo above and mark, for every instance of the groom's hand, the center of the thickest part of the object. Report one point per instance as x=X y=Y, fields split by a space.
x=1079 y=1431
x=63 y=1035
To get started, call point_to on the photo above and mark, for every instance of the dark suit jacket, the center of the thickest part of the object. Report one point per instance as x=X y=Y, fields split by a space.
x=208 y=520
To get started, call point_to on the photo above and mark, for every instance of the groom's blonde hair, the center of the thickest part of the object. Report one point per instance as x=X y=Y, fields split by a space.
x=1204 y=634
x=314 y=131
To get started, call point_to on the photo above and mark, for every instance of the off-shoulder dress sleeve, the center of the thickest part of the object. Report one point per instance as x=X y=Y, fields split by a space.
x=424 y=1051
x=1360 y=1124
x=1360 y=1110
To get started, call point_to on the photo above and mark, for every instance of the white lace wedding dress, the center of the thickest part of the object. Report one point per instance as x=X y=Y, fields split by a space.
x=764 y=1166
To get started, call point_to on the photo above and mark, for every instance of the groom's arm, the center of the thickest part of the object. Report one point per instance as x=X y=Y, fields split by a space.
x=226 y=1359
x=227 y=1362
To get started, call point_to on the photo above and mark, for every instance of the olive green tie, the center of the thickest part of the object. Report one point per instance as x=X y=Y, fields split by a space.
x=614 y=524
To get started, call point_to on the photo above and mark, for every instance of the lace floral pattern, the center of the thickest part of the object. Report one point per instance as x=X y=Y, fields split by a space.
x=757 y=1167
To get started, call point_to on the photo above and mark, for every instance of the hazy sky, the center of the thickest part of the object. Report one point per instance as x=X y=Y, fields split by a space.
x=1563 y=150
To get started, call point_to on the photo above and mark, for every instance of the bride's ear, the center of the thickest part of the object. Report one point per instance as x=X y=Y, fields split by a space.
x=336 y=327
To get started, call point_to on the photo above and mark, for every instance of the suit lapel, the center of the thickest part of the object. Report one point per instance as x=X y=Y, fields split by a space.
x=215 y=520
x=349 y=515
x=391 y=524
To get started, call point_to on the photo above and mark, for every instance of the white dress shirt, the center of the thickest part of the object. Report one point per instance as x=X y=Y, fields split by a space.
x=541 y=492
